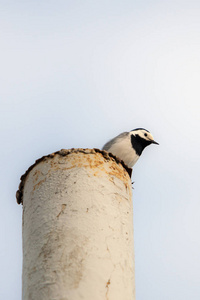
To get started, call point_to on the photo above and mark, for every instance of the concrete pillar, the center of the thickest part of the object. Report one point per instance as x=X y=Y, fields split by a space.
x=77 y=228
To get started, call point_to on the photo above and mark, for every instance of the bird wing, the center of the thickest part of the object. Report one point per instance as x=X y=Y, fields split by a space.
x=108 y=145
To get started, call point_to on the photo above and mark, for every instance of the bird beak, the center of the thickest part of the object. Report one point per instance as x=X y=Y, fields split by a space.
x=154 y=142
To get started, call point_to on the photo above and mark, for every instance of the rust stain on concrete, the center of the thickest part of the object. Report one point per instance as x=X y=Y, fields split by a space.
x=107 y=288
x=62 y=210
x=36 y=174
x=38 y=184
x=117 y=167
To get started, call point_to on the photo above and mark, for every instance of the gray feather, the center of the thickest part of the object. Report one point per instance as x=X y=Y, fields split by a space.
x=108 y=145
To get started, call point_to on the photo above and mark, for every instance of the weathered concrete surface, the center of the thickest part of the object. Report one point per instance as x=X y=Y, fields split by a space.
x=77 y=228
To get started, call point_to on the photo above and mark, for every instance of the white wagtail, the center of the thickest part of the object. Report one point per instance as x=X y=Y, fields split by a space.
x=128 y=146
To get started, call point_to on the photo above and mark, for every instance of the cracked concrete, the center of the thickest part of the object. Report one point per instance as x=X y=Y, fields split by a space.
x=77 y=228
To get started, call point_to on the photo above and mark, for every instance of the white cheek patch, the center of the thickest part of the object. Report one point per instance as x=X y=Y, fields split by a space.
x=150 y=137
x=142 y=133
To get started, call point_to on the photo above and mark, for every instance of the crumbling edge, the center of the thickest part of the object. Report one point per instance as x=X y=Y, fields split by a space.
x=64 y=152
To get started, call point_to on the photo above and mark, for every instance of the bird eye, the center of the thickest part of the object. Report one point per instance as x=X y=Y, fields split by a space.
x=145 y=134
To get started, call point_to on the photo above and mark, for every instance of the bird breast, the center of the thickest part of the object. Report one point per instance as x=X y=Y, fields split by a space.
x=123 y=149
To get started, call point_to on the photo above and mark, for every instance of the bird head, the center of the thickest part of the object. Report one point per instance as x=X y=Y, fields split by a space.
x=141 y=133
x=140 y=138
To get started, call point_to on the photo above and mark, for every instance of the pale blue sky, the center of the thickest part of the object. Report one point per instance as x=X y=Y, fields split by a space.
x=77 y=73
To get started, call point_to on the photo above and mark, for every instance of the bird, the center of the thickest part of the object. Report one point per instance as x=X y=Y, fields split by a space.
x=128 y=146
